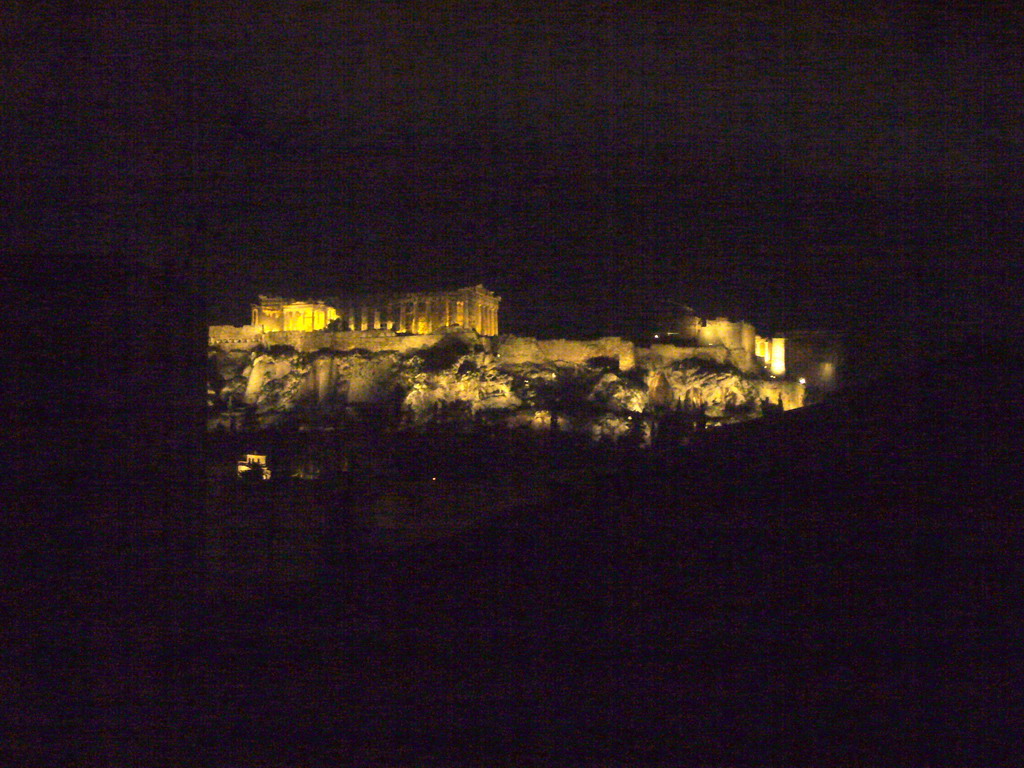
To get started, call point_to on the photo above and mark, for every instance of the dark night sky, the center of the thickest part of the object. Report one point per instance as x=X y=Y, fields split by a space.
x=796 y=166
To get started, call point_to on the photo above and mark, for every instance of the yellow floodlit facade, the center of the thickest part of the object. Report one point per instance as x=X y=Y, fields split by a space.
x=474 y=308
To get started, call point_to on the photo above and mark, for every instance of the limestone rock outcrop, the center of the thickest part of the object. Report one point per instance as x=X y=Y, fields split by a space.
x=605 y=388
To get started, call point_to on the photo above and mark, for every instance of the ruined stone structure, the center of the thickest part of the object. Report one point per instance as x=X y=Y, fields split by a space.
x=747 y=350
x=474 y=308
x=771 y=351
x=389 y=321
x=277 y=314
x=317 y=359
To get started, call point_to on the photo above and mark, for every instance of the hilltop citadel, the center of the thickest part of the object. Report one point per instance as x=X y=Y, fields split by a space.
x=319 y=355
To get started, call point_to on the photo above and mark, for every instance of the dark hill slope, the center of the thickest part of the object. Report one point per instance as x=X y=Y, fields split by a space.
x=839 y=585
x=944 y=438
x=836 y=583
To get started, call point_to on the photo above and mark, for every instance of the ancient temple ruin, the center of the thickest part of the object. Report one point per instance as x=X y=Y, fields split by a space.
x=364 y=350
x=474 y=308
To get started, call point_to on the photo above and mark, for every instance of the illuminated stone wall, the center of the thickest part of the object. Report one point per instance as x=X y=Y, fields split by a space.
x=381 y=341
x=661 y=355
x=526 y=349
x=762 y=348
x=721 y=331
x=778 y=361
x=235 y=336
x=771 y=351
x=247 y=337
x=747 y=350
x=738 y=337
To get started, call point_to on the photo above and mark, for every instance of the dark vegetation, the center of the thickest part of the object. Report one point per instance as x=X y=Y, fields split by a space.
x=604 y=363
x=636 y=375
x=708 y=366
x=445 y=353
x=273 y=349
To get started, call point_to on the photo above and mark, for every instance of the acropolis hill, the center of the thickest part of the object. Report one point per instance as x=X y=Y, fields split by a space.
x=422 y=358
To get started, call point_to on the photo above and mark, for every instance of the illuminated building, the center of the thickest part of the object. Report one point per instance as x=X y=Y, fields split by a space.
x=474 y=308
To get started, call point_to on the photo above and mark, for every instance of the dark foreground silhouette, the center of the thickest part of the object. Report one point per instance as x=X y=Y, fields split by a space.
x=833 y=585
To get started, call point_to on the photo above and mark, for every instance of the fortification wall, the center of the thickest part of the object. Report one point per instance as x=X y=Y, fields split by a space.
x=235 y=336
x=720 y=331
x=738 y=337
x=734 y=335
x=377 y=341
x=662 y=355
x=526 y=349
x=748 y=338
x=230 y=337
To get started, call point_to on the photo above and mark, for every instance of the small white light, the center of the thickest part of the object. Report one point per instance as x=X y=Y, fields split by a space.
x=803 y=380
x=657 y=336
x=433 y=478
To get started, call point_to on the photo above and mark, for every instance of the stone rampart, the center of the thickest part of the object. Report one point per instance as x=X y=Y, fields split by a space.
x=662 y=355
x=232 y=337
x=736 y=336
x=526 y=349
x=235 y=336
x=375 y=341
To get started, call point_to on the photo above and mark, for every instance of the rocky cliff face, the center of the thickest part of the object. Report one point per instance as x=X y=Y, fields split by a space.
x=604 y=388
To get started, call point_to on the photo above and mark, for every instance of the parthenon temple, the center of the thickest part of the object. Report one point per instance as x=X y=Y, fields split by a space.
x=474 y=308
